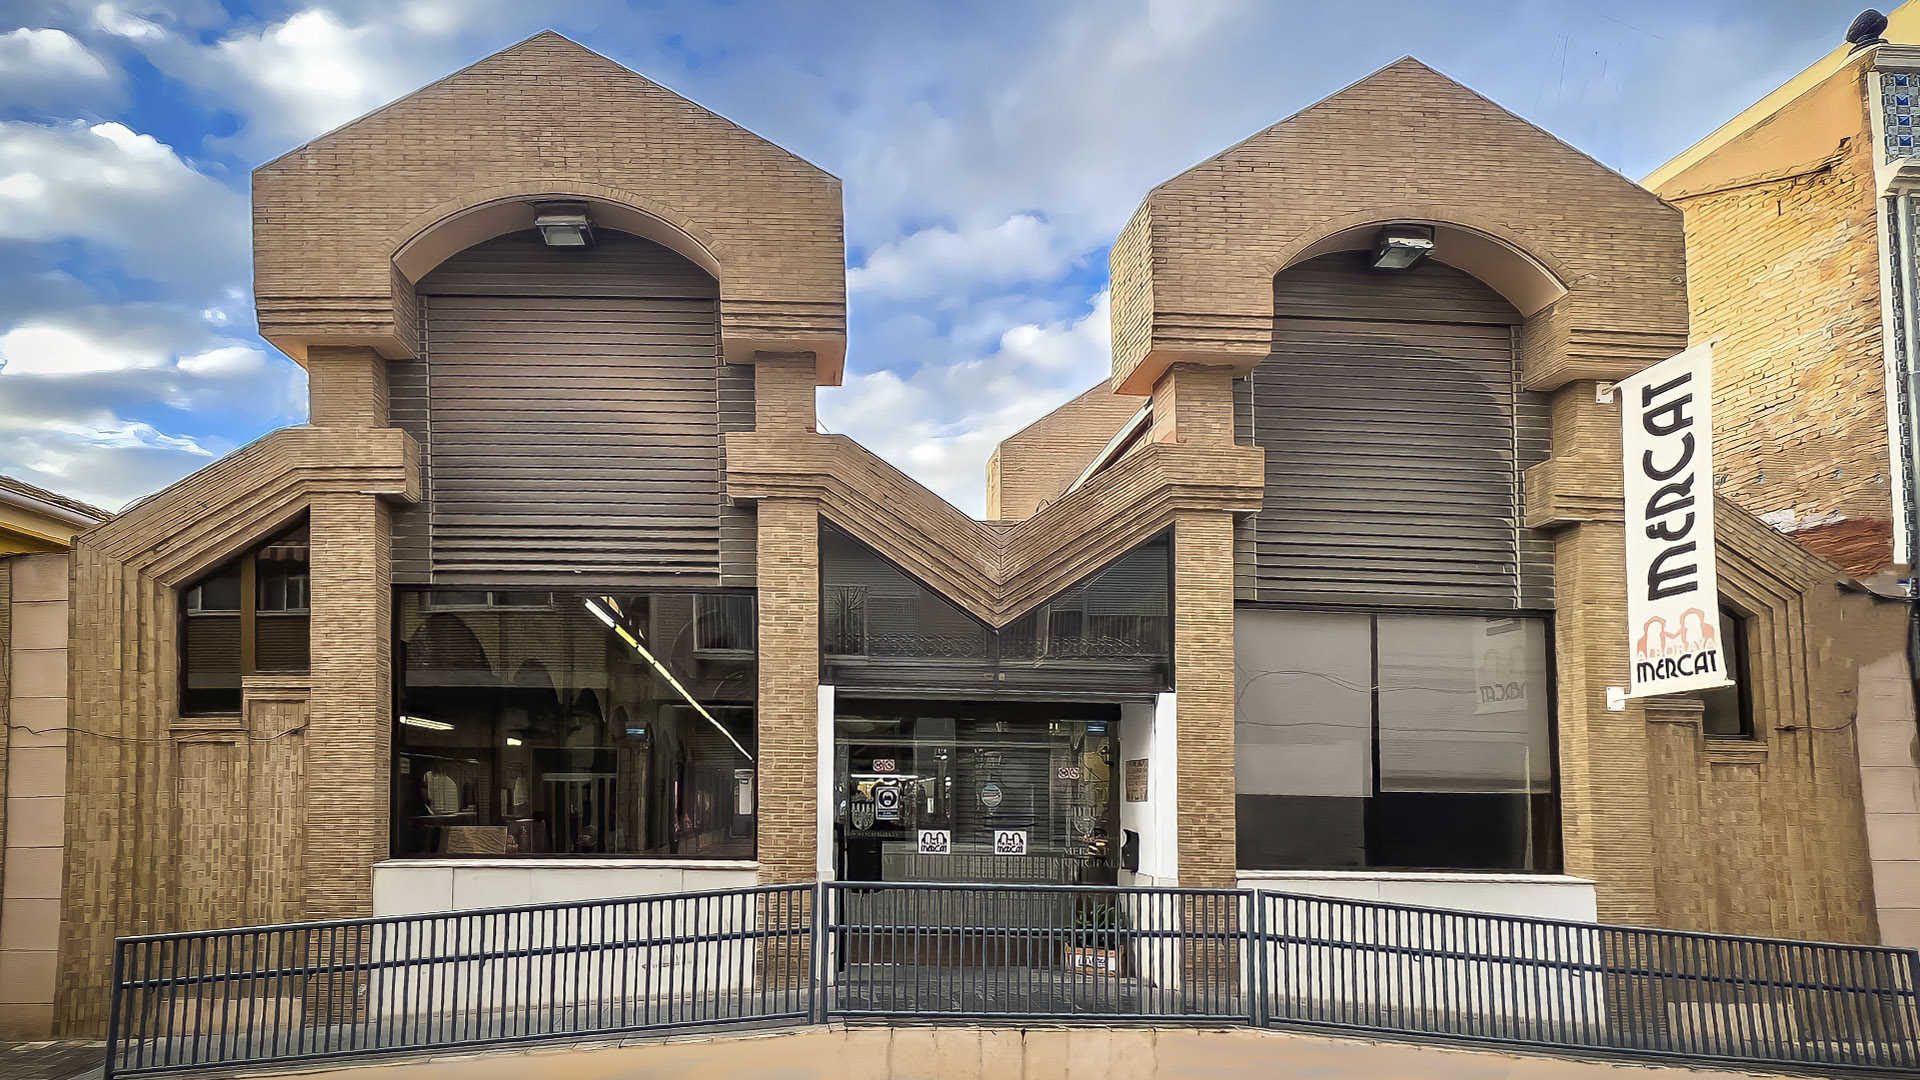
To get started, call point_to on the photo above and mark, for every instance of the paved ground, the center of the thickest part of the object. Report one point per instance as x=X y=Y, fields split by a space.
x=50 y=1060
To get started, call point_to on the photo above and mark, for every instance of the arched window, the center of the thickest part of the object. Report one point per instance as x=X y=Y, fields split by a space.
x=247 y=617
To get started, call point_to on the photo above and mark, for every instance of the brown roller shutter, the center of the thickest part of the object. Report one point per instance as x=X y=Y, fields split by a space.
x=570 y=406
x=1395 y=433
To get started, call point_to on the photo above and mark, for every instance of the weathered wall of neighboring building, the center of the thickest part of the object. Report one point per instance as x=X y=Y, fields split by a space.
x=1783 y=273
x=1890 y=793
x=33 y=787
x=1036 y=464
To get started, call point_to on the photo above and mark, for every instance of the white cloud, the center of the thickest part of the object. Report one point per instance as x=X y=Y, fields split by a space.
x=42 y=349
x=106 y=402
x=116 y=20
x=941 y=423
x=298 y=78
x=124 y=193
x=48 y=69
x=943 y=261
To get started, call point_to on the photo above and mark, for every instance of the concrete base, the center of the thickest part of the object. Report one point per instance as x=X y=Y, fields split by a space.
x=1538 y=896
x=414 y=886
x=1001 y=1053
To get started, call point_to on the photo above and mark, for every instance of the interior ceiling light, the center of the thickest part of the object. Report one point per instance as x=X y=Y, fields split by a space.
x=423 y=722
x=619 y=627
x=1399 y=247
x=563 y=224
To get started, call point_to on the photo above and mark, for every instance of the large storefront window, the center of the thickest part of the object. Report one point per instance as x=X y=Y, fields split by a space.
x=557 y=723
x=1393 y=741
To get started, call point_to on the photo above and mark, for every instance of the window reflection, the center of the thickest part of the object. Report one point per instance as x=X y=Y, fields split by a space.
x=1366 y=741
x=554 y=724
x=246 y=617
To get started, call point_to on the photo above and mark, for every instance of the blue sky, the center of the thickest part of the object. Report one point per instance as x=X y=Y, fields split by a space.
x=989 y=152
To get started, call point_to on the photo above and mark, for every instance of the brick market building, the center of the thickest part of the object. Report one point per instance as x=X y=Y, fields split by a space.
x=561 y=592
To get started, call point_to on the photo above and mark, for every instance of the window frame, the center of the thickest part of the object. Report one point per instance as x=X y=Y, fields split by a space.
x=246 y=565
x=752 y=622
x=1553 y=824
x=559 y=599
x=1737 y=641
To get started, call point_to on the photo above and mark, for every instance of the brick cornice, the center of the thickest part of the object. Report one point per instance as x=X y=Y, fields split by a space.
x=199 y=520
x=995 y=574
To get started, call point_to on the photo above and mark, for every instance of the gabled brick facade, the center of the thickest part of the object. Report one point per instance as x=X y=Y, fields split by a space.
x=178 y=822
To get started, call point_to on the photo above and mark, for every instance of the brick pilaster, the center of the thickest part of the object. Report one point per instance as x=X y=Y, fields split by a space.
x=789 y=568
x=346 y=387
x=783 y=393
x=1193 y=404
x=1605 y=803
x=1203 y=688
x=350 y=723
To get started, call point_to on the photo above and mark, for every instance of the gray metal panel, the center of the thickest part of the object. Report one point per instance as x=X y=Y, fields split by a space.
x=1395 y=435
x=407 y=410
x=738 y=523
x=572 y=417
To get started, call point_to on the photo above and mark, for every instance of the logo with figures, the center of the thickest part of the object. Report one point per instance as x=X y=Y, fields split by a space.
x=1690 y=647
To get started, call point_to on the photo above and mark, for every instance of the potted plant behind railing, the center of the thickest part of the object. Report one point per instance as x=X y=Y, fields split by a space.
x=1093 y=945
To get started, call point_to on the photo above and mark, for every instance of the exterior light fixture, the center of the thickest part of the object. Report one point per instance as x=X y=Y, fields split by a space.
x=1399 y=247
x=563 y=225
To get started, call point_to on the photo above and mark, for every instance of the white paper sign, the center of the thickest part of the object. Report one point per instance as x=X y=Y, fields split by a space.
x=1009 y=841
x=936 y=841
x=1673 y=595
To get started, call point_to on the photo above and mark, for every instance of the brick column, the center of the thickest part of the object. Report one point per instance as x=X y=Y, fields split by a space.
x=1605 y=802
x=349 y=724
x=789 y=604
x=1203 y=695
x=346 y=387
x=1193 y=404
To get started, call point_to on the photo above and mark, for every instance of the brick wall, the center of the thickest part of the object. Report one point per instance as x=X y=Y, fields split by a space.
x=1785 y=274
x=545 y=117
x=1037 y=464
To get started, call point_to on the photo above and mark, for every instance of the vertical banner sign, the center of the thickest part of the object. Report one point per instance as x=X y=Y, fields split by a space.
x=1673 y=595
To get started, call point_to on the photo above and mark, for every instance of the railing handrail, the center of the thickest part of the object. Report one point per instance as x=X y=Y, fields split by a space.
x=1270 y=958
x=452 y=913
x=1576 y=924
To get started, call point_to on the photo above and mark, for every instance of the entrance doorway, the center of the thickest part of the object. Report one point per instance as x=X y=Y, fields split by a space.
x=991 y=791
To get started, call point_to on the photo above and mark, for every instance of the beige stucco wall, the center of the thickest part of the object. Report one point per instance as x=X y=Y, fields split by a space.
x=1005 y=1053
x=1890 y=790
x=36 y=775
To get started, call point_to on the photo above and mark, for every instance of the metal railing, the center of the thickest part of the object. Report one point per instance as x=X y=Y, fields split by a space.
x=1436 y=973
x=314 y=991
x=783 y=955
x=1031 y=952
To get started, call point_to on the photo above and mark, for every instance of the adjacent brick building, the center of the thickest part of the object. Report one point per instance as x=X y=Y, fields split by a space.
x=561 y=592
x=1801 y=269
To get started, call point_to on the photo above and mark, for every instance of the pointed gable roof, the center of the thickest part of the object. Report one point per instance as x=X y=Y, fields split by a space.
x=545 y=118
x=1193 y=272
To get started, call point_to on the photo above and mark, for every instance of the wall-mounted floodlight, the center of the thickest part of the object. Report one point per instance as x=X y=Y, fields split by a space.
x=563 y=225
x=1398 y=247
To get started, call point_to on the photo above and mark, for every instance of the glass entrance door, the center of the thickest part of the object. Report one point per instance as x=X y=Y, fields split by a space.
x=991 y=792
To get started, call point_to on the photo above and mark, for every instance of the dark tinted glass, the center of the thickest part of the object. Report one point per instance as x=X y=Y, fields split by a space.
x=1729 y=709
x=581 y=724
x=1416 y=742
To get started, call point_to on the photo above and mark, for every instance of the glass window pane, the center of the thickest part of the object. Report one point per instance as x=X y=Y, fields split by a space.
x=1729 y=709
x=572 y=724
x=1464 y=742
x=1302 y=738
